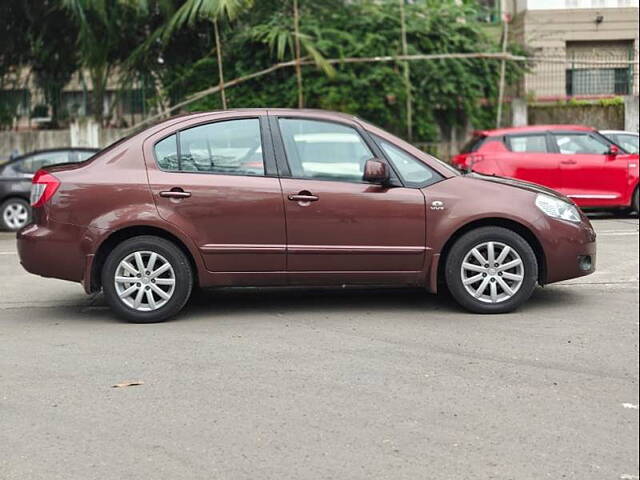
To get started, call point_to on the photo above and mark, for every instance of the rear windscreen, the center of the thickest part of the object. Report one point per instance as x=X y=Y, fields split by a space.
x=473 y=144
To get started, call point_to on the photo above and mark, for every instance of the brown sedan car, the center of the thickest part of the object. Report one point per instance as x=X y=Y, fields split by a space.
x=293 y=197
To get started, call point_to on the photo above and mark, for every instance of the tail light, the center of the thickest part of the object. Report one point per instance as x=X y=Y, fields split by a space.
x=43 y=186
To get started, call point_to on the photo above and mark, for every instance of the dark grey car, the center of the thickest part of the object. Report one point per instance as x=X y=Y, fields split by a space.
x=15 y=181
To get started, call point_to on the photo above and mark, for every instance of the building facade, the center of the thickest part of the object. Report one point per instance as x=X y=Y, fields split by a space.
x=588 y=48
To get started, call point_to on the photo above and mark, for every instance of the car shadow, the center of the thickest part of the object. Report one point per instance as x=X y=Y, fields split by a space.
x=238 y=303
x=292 y=301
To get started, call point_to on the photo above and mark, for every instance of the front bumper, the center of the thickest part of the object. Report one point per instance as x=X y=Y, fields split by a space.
x=570 y=249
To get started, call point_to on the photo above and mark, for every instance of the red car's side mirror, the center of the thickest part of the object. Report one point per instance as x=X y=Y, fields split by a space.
x=376 y=171
x=614 y=150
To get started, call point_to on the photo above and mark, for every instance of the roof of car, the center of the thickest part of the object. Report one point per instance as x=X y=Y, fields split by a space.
x=532 y=129
x=619 y=132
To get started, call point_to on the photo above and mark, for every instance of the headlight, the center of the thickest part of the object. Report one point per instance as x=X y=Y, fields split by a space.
x=557 y=208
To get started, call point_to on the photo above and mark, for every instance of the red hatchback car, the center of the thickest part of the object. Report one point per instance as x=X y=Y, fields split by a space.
x=574 y=160
x=293 y=197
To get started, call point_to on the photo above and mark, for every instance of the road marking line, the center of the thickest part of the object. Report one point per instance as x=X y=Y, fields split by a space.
x=616 y=234
x=630 y=405
x=8 y=253
x=626 y=476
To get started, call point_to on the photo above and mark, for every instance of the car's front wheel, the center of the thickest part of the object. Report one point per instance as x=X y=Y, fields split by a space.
x=491 y=270
x=15 y=213
x=147 y=279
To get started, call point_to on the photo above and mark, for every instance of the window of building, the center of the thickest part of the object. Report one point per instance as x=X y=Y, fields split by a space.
x=599 y=81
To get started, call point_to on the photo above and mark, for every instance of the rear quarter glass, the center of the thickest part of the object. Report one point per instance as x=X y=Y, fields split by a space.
x=474 y=144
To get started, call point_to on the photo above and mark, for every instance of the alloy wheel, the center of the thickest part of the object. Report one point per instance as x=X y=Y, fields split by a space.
x=145 y=281
x=15 y=215
x=492 y=272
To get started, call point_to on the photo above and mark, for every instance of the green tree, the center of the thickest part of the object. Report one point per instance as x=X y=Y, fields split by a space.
x=108 y=31
x=214 y=11
x=52 y=61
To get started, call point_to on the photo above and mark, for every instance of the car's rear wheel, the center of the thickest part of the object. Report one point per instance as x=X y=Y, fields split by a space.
x=15 y=213
x=491 y=270
x=147 y=279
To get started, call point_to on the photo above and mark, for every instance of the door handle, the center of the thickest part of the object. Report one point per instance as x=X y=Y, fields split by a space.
x=175 y=193
x=569 y=161
x=303 y=197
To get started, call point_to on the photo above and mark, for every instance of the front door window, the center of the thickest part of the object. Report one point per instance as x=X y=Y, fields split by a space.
x=579 y=143
x=324 y=150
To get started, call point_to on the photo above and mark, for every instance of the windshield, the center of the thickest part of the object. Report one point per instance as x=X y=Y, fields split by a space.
x=627 y=141
x=379 y=132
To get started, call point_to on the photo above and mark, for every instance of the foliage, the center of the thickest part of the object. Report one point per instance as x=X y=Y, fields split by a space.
x=169 y=47
x=108 y=31
x=52 y=61
x=445 y=92
x=578 y=102
x=38 y=35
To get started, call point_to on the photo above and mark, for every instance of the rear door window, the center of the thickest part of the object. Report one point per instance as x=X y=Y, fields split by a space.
x=527 y=143
x=232 y=147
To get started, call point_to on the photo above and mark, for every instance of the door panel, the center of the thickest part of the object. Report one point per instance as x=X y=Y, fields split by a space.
x=540 y=168
x=339 y=228
x=527 y=159
x=354 y=227
x=237 y=222
x=209 y=182
x=593 y=179
x=589 y=175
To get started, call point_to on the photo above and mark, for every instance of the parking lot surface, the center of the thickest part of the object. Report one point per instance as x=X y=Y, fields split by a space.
x=272 y=384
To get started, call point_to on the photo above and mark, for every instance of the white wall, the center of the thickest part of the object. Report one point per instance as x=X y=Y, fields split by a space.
x=81 y=134
x=571 y=4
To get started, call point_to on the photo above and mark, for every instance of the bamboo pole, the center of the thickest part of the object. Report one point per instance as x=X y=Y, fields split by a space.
x=223 y=96
x=296 y=34
x=503 y=65
x=407 y=77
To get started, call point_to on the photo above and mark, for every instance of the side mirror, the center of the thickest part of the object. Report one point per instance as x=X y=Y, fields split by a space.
x=614 y=150
x=376 y=171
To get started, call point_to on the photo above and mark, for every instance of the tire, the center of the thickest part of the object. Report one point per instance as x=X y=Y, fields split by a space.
x=138 y=307
x=635 y=203
x=15 y=213
x=490 y=300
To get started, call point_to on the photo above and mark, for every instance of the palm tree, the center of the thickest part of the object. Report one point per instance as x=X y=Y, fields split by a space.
x=101 y=44
x=214 y=11
x=282 y=38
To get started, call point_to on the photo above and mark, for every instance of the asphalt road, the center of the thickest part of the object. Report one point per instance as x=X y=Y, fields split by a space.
x=317 y=385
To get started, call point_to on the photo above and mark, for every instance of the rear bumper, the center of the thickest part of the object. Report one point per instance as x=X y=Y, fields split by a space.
x=52 y=252
x=570 y=249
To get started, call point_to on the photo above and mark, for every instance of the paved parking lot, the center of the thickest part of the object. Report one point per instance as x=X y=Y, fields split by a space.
x=315 y=384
